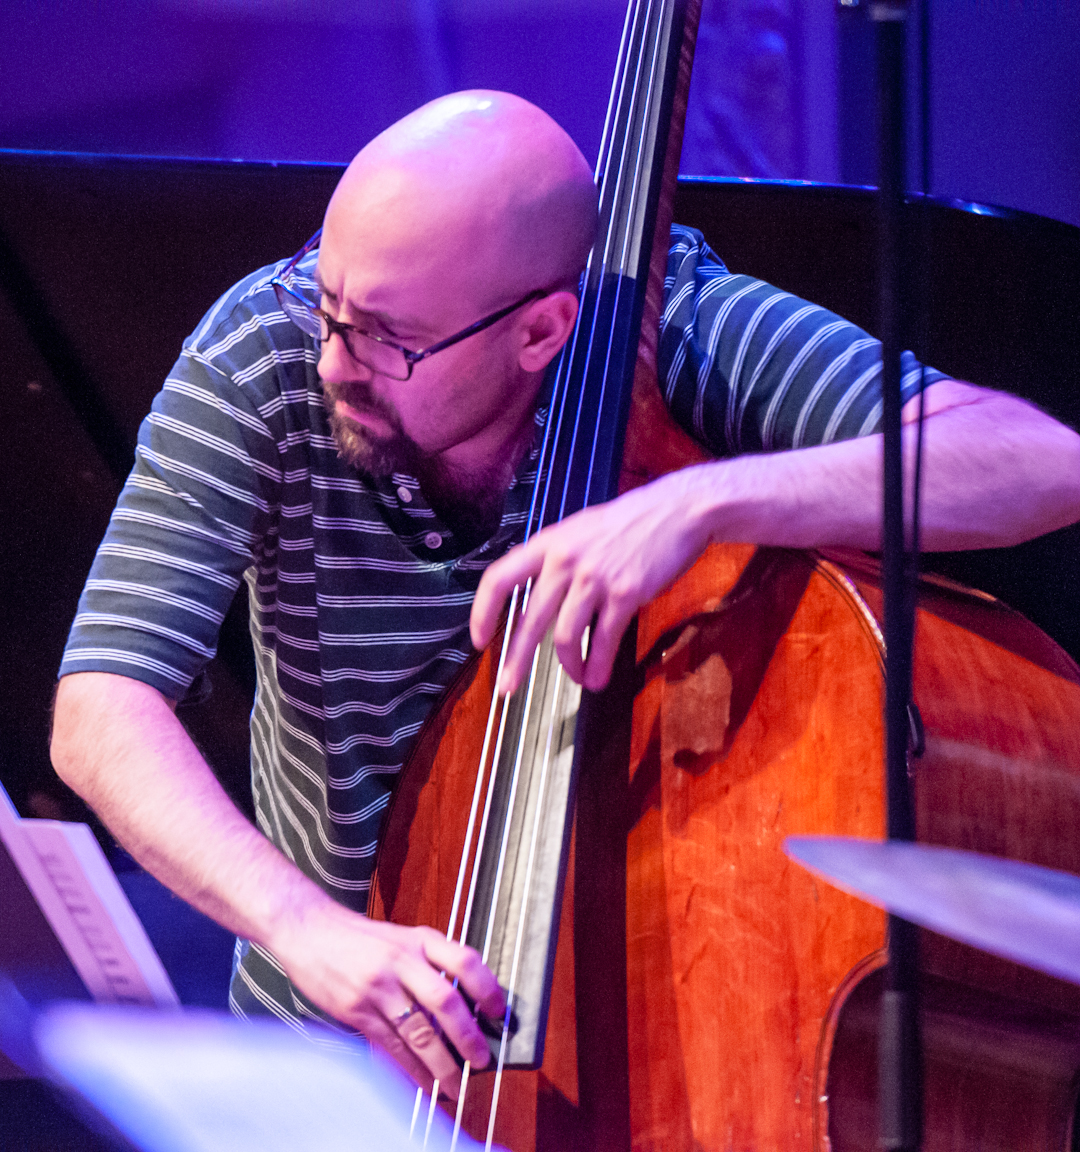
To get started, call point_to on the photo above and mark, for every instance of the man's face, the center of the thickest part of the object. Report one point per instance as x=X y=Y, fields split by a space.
x=414 y=290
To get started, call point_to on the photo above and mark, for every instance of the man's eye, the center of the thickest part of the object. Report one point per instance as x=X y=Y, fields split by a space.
x=379 y=332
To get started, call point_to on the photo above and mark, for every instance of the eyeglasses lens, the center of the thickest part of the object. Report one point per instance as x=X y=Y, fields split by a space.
x=382 y=358
x=301 y=313
x=369 y=351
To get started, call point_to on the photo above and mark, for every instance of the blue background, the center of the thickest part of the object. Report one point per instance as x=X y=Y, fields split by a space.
x=782 y=87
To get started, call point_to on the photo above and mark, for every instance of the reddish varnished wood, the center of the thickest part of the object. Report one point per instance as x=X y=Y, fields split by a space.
x=735 y=952
x=735 y=960
x=1000 y=1074
x=737 y=965
x=1000 y=705
x=564 y=1105
x=579 y=1097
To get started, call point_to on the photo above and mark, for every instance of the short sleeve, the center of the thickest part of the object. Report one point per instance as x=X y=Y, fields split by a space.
x=199 y=507
x=745 y=367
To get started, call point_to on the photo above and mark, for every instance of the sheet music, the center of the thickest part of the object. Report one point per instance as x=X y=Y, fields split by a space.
x=71 y=880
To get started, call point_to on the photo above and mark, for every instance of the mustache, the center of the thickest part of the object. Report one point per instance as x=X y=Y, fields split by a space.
x=359 y=395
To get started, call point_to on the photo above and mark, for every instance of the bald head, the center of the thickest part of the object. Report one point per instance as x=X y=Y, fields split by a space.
x=481 y=186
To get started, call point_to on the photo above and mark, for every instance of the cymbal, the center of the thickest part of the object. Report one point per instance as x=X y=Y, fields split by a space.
x=1020 y=911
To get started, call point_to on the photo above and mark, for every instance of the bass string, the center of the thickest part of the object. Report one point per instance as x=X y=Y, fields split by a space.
x=639 y=160
x=534 y=839
x=493 y=712
x=603 y=174
x=654 y=70
x=462 y=868
x=493 y=912
x=503 y=849
x=651 y=70
x=541 y=486
x=542 y=499
x=530 y=696
x=520 y=934
x=553 y=425
x=604 y=166
x=621 y=263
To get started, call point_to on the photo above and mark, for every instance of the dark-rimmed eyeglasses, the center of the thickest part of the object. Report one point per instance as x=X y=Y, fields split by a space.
x=375 y=352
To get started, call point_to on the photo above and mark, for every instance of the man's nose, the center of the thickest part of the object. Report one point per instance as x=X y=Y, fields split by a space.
x=337 y=365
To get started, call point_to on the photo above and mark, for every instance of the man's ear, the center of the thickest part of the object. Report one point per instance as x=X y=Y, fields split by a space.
x=546 y=327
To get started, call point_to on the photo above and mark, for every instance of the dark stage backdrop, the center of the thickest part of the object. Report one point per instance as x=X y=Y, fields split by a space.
x=107 y=263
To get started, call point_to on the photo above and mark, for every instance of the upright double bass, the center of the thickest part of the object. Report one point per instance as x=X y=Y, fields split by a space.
x=675 y=982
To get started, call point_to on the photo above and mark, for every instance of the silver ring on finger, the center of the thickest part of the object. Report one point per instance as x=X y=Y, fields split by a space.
x=398 y=1020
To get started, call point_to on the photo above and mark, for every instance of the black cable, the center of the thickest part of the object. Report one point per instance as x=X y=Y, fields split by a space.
x=899 y=1053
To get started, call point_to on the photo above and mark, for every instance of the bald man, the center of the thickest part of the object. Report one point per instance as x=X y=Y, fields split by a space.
x=355 y=433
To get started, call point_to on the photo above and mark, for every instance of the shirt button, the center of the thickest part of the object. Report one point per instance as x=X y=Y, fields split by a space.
x=433 y=540
x=404 y=495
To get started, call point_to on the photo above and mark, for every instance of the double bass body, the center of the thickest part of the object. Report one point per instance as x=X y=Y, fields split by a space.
x=771 y=984
x=710 y=994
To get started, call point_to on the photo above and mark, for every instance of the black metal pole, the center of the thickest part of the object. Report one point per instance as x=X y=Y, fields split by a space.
x=899 y=1053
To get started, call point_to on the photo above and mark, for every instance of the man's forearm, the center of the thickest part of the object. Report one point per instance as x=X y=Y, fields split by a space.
x=996 y=471
x=117 y=743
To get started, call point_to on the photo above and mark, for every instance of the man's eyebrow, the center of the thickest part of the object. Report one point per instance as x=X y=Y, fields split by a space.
x=392 y=326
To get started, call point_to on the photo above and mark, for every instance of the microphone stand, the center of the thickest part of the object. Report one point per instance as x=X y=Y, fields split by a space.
x=900 y=1096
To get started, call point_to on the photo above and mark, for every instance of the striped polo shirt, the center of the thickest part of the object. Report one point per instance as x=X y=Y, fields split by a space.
x=359 y=595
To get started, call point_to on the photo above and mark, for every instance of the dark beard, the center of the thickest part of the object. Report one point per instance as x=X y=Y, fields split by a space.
x=378 y=456
x=470 y=509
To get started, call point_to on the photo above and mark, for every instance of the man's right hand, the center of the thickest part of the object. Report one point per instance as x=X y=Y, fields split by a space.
x=388 y=982
x=117 y=742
